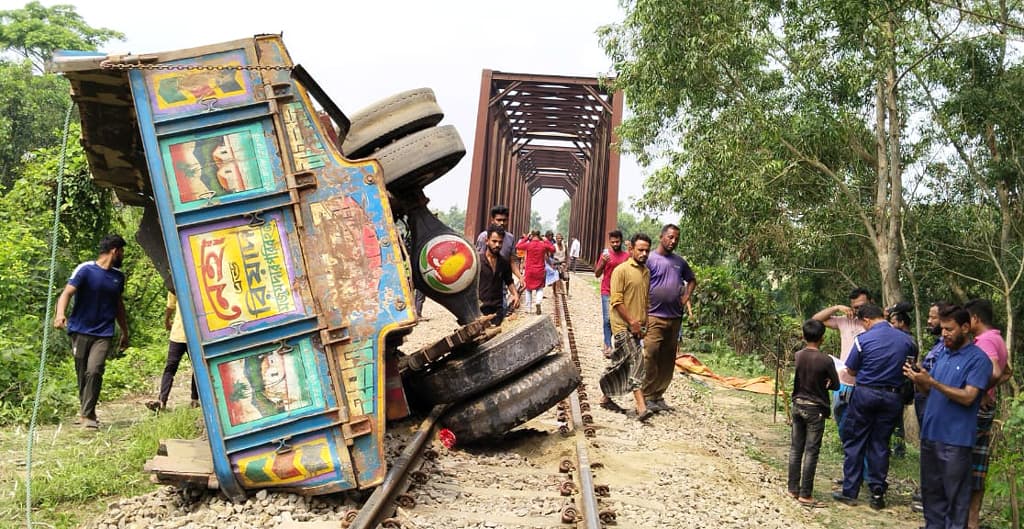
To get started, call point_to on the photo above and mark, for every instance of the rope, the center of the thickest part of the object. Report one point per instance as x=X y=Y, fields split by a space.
x=49 y=317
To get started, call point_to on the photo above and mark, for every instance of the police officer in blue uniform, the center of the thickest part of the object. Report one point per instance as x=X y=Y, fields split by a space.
x=877 y=361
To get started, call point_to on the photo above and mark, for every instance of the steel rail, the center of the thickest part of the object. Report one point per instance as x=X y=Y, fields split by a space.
x=588 y=500
x=381 y=504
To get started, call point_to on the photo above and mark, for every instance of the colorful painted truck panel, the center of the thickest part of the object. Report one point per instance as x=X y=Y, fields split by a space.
x=283 y=254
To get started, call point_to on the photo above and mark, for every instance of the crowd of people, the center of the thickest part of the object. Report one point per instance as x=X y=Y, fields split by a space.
x=645 y=288
x=878 y=373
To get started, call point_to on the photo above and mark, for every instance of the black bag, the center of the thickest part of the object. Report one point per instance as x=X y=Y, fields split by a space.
x=907 y=392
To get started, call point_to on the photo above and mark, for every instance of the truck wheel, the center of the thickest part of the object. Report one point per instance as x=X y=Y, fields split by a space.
x=418 y=159
x=516 y=402
x=389 y=119
x=489 y=364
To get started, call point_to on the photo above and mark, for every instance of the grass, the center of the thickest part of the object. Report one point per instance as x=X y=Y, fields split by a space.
x=74 y=469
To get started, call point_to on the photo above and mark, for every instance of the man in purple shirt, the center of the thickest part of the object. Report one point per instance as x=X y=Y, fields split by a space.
x=672 y=283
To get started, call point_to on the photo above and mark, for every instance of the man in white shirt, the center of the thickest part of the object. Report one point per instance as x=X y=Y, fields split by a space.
x=842 y=318
x=574 y=253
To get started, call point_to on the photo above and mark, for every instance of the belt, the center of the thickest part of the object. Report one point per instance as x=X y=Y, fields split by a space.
x=890 y=389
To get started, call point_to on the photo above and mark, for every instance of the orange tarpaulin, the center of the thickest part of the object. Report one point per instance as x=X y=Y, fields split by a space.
x=689 y=364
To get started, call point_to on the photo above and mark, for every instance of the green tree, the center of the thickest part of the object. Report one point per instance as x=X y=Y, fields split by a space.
x=35 y=31
x=32 y=106
x=455 y=218
x=779 y=122
x=537 y=222
x=562 y=219
x=32 y=111
x=630 y=223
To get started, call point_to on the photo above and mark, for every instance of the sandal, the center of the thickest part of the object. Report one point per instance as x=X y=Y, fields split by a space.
x=611 y=405
x=811 y=503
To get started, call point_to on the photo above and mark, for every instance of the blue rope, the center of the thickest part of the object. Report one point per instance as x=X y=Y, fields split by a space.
x=49 y=317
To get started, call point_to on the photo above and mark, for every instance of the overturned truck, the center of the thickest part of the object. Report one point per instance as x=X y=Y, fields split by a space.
x=273 y=215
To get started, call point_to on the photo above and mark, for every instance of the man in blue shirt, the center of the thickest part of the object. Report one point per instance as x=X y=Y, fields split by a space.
x=954 y=386
x=875 y=406
x=97 y=287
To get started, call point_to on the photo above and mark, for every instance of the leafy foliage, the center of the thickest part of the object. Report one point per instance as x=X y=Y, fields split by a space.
x=630 y=224
x=731 y=316
x=455 y=218
x=562 y=219
x=1005 y=480
x=31 y=113
x=35 y=31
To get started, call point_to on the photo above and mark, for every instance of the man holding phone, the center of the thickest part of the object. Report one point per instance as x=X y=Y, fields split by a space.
x=954 y=387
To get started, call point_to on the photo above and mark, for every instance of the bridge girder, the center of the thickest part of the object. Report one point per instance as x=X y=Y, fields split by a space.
x=546 y=132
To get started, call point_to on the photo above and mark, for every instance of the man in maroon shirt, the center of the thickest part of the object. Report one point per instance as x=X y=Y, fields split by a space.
x=611 y=257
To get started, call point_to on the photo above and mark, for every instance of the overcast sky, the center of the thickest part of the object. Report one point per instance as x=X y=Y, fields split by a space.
x=361 y=51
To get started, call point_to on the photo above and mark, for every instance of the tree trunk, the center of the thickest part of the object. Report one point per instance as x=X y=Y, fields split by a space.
x=889 y=184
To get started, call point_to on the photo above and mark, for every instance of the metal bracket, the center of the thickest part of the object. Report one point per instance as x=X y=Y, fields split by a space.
x=300 y=180
x=357 y=426
x=279 y=91
x=334 y=335
x=473 y=333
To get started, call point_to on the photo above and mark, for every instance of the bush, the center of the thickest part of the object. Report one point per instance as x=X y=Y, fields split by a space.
x=1005 y=477
x=133 y=371
x=732 y=316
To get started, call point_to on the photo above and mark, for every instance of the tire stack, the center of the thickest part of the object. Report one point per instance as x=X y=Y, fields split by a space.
x=401 y=132
x=499 y=384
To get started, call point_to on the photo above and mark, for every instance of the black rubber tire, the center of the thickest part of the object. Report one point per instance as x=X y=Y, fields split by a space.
x=389 y=119
x=489 y=364
x=515 y=402
x=418 y=159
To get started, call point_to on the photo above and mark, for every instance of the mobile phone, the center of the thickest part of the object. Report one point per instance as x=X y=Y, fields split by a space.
x=913 y=363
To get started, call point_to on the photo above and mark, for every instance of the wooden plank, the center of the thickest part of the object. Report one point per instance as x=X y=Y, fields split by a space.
x=196 y=449
x=176 y=465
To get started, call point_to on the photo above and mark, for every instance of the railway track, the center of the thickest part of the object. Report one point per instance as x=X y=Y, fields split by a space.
x=493 y=487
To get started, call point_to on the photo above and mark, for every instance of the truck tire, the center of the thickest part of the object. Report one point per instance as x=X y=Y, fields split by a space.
x=515 y=402
x=489 y=364
x=418 y=159
x=389 y=119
